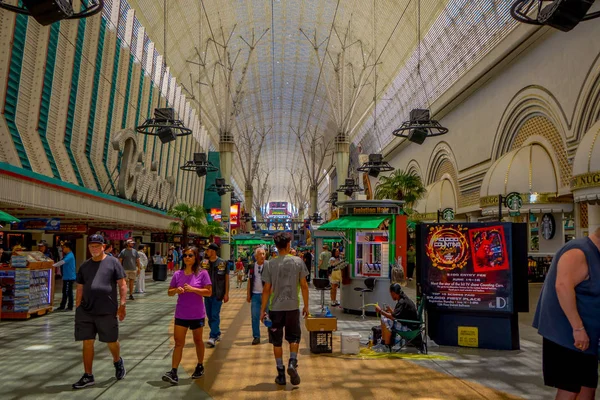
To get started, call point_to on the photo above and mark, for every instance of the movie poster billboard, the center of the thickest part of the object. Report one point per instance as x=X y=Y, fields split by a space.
x=467 y=266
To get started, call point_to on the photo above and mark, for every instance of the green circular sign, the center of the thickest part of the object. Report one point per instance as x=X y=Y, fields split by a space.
x=513 y=201
x=448 y=214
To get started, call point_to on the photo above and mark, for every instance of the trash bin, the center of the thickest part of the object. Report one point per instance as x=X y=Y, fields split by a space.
x=159 y=272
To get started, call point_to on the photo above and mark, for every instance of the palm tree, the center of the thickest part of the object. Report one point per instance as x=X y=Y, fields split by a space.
x=212 y=229
x=190 y=218
x=401 y=185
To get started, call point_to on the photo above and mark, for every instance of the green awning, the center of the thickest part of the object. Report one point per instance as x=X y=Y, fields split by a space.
x=5 y=217
x=354 y=222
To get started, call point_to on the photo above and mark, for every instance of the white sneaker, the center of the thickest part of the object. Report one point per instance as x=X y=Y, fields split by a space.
x=211 y=342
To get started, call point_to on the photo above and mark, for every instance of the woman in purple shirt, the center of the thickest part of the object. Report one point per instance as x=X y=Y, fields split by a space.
x=191 y=285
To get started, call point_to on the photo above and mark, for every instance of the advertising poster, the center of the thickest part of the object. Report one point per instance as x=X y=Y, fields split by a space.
x=467 y=266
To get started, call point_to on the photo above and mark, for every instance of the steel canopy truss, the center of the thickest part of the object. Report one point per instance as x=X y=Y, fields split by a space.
x=282 y=86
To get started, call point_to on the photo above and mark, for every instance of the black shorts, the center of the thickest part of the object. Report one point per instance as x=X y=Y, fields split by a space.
x=192 y=324
x=87 y=326
x=568 y=369
x=290 y=320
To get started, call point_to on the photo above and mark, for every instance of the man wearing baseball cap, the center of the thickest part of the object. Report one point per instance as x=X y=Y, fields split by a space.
x=97 y=308
x=43 y=248
x=219 y=276
x=130 y=259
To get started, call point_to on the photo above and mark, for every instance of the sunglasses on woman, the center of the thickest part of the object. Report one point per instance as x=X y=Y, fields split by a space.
x=188 y=255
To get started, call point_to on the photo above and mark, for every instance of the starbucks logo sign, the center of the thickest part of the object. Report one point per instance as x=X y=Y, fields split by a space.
x=514 y=203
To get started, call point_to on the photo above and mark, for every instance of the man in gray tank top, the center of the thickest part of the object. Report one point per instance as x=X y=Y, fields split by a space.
x=568 y=317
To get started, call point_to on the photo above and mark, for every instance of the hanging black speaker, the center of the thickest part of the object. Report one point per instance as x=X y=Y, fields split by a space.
x=417 y=135
x=166 y=134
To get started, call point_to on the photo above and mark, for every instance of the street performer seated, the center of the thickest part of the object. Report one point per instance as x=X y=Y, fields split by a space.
x=405 y=309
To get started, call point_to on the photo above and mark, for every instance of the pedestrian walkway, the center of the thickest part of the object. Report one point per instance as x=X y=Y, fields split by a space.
x=40 y=360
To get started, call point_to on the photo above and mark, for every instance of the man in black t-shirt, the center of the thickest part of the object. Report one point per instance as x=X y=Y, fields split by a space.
x=97 y=308
x=405 y=309
x=219 y=276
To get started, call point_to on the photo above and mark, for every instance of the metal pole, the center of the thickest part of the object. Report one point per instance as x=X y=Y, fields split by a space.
x=500 y=198
x=438 y=216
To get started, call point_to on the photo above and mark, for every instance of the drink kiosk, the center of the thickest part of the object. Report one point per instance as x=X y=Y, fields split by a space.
x=373 y=234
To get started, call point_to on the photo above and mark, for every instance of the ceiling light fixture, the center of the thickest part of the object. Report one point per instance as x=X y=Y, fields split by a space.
x=333 y=198
x=235 y=199
x=349 y=187
x=47 y=12
x=220 y=187
x=375 y=165
x=420 y=126
x=563 y=15
x=164 y=125
x=199 y=164
x=316 y=218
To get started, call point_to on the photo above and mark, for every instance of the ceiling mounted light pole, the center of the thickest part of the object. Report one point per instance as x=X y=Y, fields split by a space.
x=164 y=124
x=375 y=163
x=249 y=148
x=351 y=68
x=199 y=164
x=420 y=126
x=224 y=72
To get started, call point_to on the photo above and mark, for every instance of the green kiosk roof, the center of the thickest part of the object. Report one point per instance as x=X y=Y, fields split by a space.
x=251 y=240
x=354 y=222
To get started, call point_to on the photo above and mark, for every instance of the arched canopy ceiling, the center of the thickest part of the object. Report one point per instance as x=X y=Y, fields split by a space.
x=288 y=85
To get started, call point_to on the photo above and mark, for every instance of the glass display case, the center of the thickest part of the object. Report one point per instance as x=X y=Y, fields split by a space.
x=372 y=254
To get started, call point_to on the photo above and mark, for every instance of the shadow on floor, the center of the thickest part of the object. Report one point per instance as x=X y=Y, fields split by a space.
x=269 y=387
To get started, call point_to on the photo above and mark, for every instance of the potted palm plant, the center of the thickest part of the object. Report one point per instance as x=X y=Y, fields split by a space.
x=401 y=185
x=189 y=218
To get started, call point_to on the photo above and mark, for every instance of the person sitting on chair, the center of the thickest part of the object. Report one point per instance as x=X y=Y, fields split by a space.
x=405 y=309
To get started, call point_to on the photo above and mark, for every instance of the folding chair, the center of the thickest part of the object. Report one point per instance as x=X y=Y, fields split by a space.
x=416 y=337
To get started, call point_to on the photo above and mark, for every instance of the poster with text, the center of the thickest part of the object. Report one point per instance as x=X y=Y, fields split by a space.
x=467 y=266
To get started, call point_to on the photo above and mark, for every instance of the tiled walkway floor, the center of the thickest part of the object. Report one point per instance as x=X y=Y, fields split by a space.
x=40 y=360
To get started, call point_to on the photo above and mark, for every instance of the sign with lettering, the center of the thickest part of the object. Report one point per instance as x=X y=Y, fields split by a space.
x=111 y=234
x=468 y=336
x=467 y=266
x=366 y=209
x=591 y=179
x=139 y=182
x=73 y=228
x=41 y=224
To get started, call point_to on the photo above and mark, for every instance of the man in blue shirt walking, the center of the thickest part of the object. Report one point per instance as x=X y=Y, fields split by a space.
x=68 y=267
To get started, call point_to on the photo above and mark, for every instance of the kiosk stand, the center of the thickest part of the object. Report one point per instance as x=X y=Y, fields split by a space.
x=374 y=238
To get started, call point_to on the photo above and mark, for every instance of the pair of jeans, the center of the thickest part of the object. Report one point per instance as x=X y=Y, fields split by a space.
x=67 y=294
x=255 y=311
x=323 y=273
x=213 y=313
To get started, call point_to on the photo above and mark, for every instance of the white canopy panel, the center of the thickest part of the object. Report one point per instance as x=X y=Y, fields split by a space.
x=287 y=81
